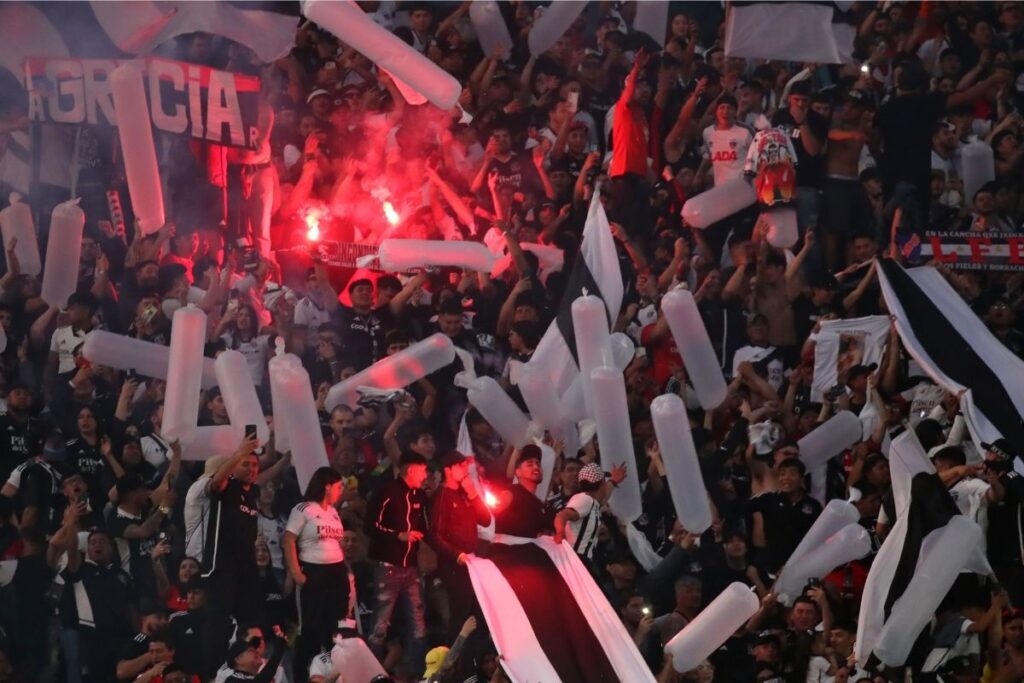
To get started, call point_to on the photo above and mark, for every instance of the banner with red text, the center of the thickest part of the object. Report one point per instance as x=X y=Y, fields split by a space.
x=974 y=250
x=217 y=106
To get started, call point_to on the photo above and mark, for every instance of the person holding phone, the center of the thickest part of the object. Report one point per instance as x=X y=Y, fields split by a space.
x=316 y=563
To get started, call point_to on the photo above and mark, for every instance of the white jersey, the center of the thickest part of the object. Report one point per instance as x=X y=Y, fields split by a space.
x=272 y=529
x=320 y=668
x=197 y=514
x=971 y=498
x=582 y=533
x=726 y=150
x=319 y=533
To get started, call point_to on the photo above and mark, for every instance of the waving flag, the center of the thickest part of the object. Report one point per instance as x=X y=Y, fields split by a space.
x=547 y=617
x=763 y=30
x=957 y=350
x=597 y=272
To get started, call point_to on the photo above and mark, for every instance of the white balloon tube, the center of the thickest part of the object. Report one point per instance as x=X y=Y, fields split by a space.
x=380 y=46
x=490 y=27
x=713 y=626
x=623 y=350
x=16 y=223
x=541 y=399
x=840 y=432
x=63 y=252
x=400 y=255
x=979 y=167
x=615 y=439
x=652 y=19
x=680 y=311
x=682 y=469
x=239 y=393
x=498 y=408
x=282 y=441
x=127 y=353
x=135 y=131
x=590 y=322
x=297 y=414
x=396 y=371
x=944 y=554
x=184 y=374
x=837 y=515
x=208 y=442
x=782 y=230
x=719 y=202
x=552 y=25
x=846 y=545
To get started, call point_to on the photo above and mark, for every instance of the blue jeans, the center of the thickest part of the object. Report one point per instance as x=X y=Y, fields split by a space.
x=69 y=646
x=392 y=582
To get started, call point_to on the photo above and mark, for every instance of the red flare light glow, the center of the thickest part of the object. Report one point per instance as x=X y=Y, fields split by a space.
x=490 y=500
x=389 y=212
x=313 y=217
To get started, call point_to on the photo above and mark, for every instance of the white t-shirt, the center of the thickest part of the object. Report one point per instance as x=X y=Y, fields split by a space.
x=155 y=449
x=309 y=314
x=582 y=533
x=63 y=342
x=196 y=513
x=321 y=666
x=754 y=354
x=726 y=149
x=319 y=533
x=256 y=354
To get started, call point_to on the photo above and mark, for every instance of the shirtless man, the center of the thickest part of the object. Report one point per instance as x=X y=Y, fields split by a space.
x=846 y=208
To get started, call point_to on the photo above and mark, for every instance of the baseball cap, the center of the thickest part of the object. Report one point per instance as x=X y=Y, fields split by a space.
x=434 y=660
x=315 y=94
x=858 y=370
x=591 y=473
x=452 y=458
x=1002 y=449
x=801 y=88
x=529 y=452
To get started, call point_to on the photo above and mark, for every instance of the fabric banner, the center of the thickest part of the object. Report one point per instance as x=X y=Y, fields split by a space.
x=547 y=617
x=957 y=350
x=184 y=99
x=974 y=250
x=758 y=30
x=841 y=344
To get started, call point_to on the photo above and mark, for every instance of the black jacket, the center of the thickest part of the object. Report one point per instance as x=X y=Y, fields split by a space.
x=397 y=509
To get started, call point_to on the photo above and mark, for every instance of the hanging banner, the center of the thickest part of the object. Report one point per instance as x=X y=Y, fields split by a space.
x=184 y=99
x=974 y=250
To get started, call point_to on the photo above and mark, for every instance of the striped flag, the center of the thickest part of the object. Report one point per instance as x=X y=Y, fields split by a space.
x=790 y=31
x=547 y=617
x=957 y=350
x=597 y=272
x=926 y=516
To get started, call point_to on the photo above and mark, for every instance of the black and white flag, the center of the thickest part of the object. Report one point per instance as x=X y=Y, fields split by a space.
x=957 y=350
x=548 y=618
x=927 y=547
x=597 y=273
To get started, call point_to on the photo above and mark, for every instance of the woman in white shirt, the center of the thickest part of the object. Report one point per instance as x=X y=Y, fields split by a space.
x=316 y=562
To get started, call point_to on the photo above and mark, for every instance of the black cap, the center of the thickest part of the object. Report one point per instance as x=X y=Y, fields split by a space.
x=801 y=88
x=1002 y=449
x=766 y=638
x=452 y=458
x=529 y=452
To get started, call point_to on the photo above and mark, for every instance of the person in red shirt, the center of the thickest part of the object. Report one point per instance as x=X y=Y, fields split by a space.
x=630 y=186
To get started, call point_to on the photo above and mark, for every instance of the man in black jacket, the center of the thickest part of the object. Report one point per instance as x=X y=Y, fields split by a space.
x=456 y=512
x=396 y=523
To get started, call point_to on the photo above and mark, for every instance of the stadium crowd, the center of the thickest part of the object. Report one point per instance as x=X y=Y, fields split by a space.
x=123 y=562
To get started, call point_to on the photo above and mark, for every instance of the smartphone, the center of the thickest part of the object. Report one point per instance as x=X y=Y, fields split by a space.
x=574 y=101
x=129 y=373
x=148 y=313
x=250 y=431
x=645 y=610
